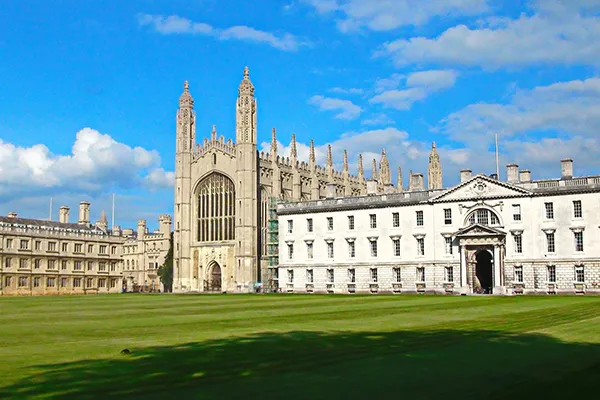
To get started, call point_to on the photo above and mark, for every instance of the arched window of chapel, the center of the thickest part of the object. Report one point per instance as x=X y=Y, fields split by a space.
x=216 y=209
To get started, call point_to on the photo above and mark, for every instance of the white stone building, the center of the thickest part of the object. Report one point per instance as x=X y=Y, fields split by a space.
x=481 y=236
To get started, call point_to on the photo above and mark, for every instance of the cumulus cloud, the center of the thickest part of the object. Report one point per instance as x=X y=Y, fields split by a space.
x=558 y=32
x=419 y=85
x=385 y=15
x=345 y=108
x=175 y=24
x=97 y=162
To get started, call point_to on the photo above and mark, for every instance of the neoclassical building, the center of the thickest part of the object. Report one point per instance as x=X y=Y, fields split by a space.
x=225 y=191
x=480 y=236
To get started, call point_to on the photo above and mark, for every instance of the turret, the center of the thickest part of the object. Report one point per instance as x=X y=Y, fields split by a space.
x=84 y=213
x=346 y=175
x=434 y=170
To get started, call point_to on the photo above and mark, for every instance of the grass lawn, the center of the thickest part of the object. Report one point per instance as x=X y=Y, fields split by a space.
x=292 y=347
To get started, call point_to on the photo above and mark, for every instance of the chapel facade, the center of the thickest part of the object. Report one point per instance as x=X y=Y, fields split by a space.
x=225 y=190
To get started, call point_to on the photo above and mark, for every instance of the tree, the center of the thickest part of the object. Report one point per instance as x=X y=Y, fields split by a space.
x=165 y=272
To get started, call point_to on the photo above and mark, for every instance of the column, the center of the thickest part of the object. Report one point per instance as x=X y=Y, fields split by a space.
x=463 y=267
x=497 y=263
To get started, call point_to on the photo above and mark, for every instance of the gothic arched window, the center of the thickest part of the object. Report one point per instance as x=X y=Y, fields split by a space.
x=216 y=209
x=483 y=216
x=264 y=218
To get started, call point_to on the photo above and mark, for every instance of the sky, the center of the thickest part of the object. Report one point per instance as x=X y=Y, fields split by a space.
x=89 y=90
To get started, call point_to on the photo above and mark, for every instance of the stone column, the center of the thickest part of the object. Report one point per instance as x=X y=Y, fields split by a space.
x=463 y=269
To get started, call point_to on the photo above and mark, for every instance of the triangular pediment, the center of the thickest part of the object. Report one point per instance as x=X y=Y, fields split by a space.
x=481 y=187
x=479 y=230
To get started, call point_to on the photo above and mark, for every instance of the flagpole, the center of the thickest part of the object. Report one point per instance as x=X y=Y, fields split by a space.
x=50 y=213
x=113 y=212
x=497 y=159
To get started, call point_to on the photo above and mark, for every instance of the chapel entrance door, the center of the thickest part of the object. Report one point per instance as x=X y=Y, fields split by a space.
x=214 y=278
x=484 y=272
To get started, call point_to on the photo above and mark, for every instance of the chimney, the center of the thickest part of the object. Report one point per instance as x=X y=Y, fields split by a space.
x=417 y=182
x=63 y=215
x=465 y=175
x=371 y=187
x=330 y=190
x=525 y=175
x=116 y=231
x=566 y=168
x=512 y=173
x=165 y=224
x=84 y=213
x=12 y=214
x=141 y=229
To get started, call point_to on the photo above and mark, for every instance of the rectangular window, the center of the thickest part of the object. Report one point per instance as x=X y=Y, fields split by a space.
x=330 y=275
x=373 y=247
x=516 y=212
x=51 y=246
x=551 y=273
x=420 y=219
x=578 y=241
x=549 y=210
x=23 y=263
x=309 y=276
x=90 y=282
x=351 y=275
x=550 y=244
x=36 y=281
x=77 y=266
x=7 y=262
x=38 y=244
x=65 y=246
x=420 y=246
x=577 y=210
x=90 y=266
x=330 y=249
x=373 y=272
x=7 y=281
x=397 y=274
x=290 y=226
x=309 y=250
x=24 y=245
x=420 y=274
x=113 y=250
x=350 y=222
x=9 y=243
x=113 y=283
x=309 y=225
x=518 y=274
x=396 y=220
x=90 y=248
x=37 y=263
x=22 y=281
x=50 y=282
x=102 y=249
x=290 y=251
x=518 y=244
x=351 y=249
x=63 y=282
x=373 y=221
x=102 y=282
x=76 y=282
x=396 y=245
x=329 y=223
x=51 y=264
x=78 y=248
x=447 y=216
x=448 y=244
x=63 y=264
x=102 y=266
x=579 y=274
x=449 y=272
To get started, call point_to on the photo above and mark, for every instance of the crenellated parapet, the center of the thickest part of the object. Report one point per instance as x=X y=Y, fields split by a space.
x=227 y=147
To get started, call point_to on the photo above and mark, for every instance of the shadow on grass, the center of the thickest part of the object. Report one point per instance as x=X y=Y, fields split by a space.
x=420 y=364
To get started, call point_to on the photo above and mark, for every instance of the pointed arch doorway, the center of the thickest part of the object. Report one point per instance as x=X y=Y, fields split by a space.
x=214 y=278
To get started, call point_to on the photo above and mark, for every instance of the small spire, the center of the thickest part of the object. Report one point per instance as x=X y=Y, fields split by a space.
x=432 y=145
x=186 y=100
x=345 y=160
x=103 y=218
x=311 y=156
x=329 y=157
x=246 y=87
x=361 y=170
x=274 y=144
x=186 y=86
x=374 y=170
x=213 y=134
x=293 y=150
x=400 y=185
x=385 y=173
x=246 y=72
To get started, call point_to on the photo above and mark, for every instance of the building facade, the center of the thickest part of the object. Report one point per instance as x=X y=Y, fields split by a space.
x=39 y=257
x=481 y=236
x=143 y=253
x=223 y=190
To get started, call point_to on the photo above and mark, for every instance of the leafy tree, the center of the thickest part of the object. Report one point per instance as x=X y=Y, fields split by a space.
x=165 y=272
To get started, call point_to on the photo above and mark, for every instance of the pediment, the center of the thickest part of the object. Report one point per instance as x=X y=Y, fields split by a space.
x=479 y=230
x=481 y=187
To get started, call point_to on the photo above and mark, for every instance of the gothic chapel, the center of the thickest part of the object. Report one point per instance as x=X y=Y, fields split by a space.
x=222 y=193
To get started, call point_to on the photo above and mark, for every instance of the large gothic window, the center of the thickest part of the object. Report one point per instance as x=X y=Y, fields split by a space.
x=264 y=218
x=216 y=209
x=483 y=216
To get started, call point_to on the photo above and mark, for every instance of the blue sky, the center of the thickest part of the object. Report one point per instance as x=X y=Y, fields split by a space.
x=88 y=90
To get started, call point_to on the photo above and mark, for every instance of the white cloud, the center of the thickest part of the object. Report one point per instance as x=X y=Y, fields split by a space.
x=347 y=109
x=159 y=178
x=558 y=32
x=346 y=91
x=378 y=119
x=383 y=84
x=97 y=162
x=385 y=15
x=419 y=85
x=175 y=24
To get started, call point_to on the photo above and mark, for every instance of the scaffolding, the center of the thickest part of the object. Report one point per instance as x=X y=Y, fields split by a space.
x=273 y=246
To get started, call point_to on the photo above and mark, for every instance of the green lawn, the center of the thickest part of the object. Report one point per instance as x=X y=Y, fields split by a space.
x=292 y=347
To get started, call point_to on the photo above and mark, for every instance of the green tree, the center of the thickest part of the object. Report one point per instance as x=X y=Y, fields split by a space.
x=165 y=272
